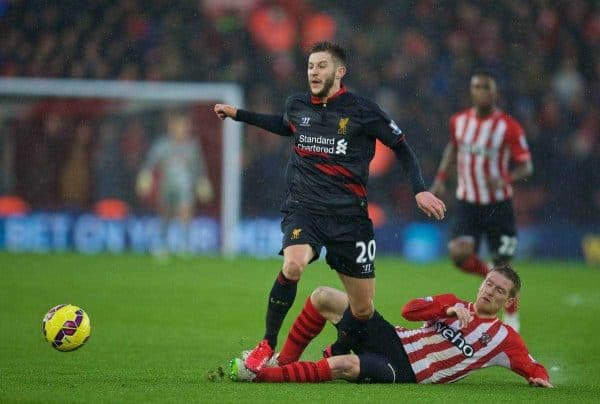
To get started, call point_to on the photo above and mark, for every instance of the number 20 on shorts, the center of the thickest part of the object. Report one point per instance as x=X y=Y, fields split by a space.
x=367 y=251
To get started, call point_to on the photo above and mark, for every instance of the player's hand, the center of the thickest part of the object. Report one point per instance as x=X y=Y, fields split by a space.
x=431 y=205
x=225 y=111
x=463 y=315
x=438 y=188
x=143 y=185
x=204 y=190
x=539 y=382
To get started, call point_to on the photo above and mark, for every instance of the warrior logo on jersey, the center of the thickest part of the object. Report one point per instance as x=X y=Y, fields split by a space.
x=296 y=234
x=342 y=126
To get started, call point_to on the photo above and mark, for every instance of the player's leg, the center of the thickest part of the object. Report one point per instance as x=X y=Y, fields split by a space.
x=385 y=360
x=281 y=298
x=464 y=244
x=366 y=368
x=324 y=304
x=300 y=247
x=353 y=326
x=166 y=211
x=295 y=372
x=283 y=292
x=184 y=199
x=354 y=261
x=502 y=239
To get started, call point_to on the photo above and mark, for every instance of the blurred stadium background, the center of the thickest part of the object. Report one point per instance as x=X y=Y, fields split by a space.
x=60 y=156
x=72 y=145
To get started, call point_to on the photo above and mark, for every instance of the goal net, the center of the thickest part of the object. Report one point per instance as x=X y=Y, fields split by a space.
x=106 y=128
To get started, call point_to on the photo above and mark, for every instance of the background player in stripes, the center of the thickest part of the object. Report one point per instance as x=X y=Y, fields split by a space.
x=334 y=133
x=457 y=338
x=484 y=140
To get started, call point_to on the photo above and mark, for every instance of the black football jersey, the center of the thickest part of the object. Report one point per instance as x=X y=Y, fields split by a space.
x=334 y=143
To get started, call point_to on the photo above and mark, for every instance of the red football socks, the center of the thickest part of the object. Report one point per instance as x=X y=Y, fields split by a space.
x=475 y=265
x=297 y=372
x=306 y=327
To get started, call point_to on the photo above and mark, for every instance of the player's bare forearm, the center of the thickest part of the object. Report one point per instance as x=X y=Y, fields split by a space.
x=448 y=158
x=521 y=171
x=446 y=164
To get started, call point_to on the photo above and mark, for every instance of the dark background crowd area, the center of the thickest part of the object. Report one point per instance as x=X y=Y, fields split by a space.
x=412 y=57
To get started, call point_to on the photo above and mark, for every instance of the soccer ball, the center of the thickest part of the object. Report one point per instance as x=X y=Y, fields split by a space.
x=66 y=327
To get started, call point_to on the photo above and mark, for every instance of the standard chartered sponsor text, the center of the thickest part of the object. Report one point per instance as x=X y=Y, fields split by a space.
x=316 y=144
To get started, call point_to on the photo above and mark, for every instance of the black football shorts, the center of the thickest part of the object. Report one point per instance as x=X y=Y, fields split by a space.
x=349 y=240
x=496 y=221
x=382 y=343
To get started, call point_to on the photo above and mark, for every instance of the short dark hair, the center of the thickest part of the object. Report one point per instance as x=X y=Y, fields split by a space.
x=508 y=272
x=484 y=73
x=334 y=49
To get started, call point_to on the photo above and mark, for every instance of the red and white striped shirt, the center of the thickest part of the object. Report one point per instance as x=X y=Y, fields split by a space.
x=441 y=352
x=484 y=150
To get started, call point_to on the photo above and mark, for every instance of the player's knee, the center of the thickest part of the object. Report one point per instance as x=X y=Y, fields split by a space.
x=362 y=310
x=459 y=249
x=320 y=296
x=345 y=366
x=293 y=268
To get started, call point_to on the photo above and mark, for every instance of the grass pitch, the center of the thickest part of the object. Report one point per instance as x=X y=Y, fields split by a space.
x=160 y=331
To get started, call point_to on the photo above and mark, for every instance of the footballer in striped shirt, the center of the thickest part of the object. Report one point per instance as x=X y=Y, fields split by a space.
x=457 y=338
x=491 y=152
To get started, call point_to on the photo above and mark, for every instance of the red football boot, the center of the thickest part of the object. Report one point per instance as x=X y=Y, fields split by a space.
x=259 y=356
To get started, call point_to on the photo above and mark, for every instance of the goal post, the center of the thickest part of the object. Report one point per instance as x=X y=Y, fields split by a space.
x=167 y=93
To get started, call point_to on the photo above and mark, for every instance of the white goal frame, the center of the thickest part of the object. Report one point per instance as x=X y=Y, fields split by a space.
x=227 y=93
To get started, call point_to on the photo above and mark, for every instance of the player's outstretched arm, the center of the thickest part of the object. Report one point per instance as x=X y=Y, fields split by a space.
x=272 y=123
x=522 y=363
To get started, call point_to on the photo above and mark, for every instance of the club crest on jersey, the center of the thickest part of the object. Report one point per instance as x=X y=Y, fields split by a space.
x=296 y=234
x=456 y=338
x=343 y=126
x=485 y=339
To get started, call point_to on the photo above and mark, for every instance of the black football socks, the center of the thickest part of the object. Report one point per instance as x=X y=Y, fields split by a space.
x=281 y=299
x=351 y=332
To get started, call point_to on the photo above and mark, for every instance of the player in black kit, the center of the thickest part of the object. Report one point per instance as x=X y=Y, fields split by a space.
x=334 y=134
